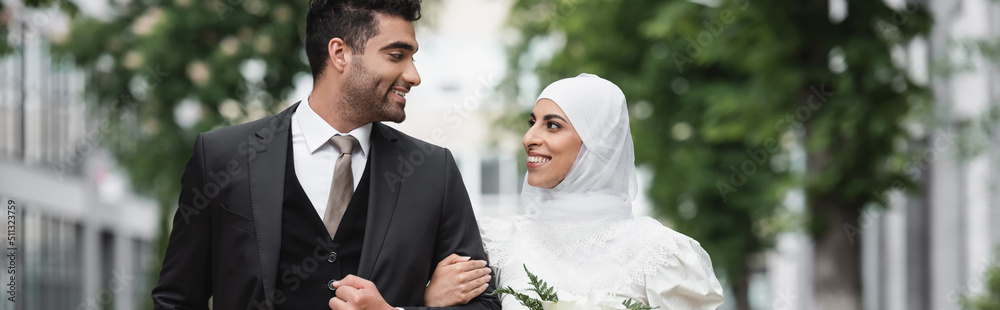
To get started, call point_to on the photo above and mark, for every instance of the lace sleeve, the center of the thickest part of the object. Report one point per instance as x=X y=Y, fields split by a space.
x=496 y=239
x=684 y=280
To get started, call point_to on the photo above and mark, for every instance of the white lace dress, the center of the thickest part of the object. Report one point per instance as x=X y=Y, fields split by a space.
x=602 y=262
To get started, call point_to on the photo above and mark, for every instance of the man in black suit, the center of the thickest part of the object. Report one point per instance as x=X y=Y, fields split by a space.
x=321 y=205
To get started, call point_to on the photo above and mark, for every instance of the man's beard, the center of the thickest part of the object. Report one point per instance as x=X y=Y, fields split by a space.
x=364 y=102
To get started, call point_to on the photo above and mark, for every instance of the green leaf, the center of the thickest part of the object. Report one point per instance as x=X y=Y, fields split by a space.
x=631 y=304
x=525 y=300
x=546 y=292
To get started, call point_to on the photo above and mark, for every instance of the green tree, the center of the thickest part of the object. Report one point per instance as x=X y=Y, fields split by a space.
x=989 y=298
x=724 y=95
x=9 y=20
x=5 y=46
x=152 y=61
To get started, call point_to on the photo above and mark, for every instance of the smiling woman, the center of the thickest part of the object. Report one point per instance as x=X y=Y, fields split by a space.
x=578 y=233
x=552 y=145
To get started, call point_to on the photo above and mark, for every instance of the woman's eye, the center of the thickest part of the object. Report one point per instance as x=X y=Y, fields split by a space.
x=531 y=123
x=397 y=56
x=553 y=125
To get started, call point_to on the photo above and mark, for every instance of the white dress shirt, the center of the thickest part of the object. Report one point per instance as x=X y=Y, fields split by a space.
x=315 y=156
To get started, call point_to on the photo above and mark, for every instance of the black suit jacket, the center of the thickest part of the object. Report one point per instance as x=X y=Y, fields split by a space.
x=226 y=233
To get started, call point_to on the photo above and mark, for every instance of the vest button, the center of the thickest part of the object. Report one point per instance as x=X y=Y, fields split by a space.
x=332 y=258
x=330 y=285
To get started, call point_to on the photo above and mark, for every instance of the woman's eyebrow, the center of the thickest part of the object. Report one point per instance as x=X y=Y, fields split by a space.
x=551 y=116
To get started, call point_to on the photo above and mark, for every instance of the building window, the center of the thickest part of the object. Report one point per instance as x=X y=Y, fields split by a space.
x=50 y=266
x=141 y=267
x=107 y=269
x=490 y=176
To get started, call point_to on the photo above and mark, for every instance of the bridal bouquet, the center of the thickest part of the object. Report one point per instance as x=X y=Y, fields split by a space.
x=550 y=300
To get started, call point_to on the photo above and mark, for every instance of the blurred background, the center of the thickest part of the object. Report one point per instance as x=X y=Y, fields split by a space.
x=828 y=154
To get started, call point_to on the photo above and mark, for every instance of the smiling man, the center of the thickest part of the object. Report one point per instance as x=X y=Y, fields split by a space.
x=322 y=206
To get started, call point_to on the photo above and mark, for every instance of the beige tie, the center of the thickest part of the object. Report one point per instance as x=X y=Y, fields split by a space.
x=342 y=187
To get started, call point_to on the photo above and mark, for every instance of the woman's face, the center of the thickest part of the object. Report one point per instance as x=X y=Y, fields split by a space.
x=552 y=145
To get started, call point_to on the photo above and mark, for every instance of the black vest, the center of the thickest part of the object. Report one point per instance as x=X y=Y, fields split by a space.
x=309 y=259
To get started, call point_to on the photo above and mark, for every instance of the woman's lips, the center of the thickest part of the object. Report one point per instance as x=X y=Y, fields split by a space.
x=535 y=161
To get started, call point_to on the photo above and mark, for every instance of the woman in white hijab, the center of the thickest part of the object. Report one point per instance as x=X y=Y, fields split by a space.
x=578 y=233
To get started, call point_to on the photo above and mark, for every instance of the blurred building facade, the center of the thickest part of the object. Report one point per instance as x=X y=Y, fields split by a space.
x=931 y=247
x=83 y=239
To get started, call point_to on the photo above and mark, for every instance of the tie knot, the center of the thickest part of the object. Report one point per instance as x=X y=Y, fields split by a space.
x=346 y=144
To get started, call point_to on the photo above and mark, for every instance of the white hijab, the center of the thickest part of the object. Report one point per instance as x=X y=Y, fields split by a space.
x=585 y=223
x=602 y=183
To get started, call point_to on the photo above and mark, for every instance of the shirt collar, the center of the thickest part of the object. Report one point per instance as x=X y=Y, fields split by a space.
x=318 y=132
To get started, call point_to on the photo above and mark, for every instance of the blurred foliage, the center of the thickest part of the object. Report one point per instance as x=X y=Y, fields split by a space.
x=167 y=70
x=989 y=298
x=8 y=19
x=978 y=132
x=161 y=71
x=64 y=5
x=714 y=89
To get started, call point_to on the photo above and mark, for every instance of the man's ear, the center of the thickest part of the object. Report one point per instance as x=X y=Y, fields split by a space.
x=339 y=53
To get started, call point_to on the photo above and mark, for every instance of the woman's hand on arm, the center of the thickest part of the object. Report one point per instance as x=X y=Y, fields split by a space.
x=456 y=281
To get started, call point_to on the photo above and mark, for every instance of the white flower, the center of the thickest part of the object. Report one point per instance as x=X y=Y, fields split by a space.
x=568 y=305
x=594 y=302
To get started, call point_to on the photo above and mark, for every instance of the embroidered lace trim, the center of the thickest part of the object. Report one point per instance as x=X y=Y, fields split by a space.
x=581 y=257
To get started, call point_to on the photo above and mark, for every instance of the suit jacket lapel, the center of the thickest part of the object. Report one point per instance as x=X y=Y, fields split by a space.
x=267 y=176
x=383 y=194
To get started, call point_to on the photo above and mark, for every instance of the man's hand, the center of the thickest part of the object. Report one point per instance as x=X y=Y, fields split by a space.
x=456 y=281
x=355 y=293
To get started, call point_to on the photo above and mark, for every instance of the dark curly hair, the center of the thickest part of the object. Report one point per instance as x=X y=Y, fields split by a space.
x=351 y=20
